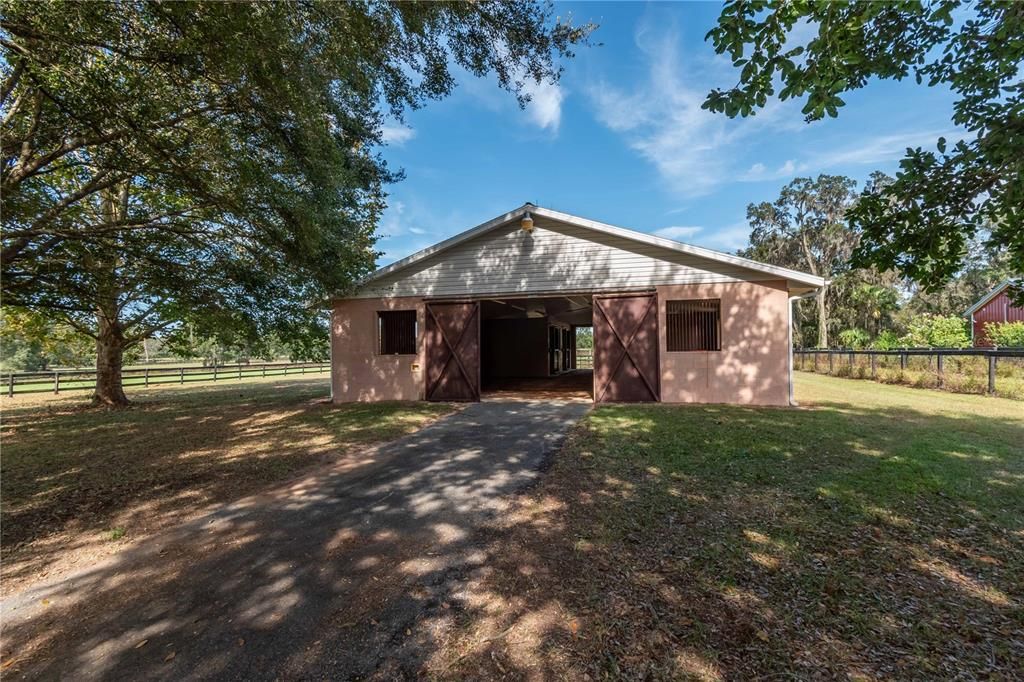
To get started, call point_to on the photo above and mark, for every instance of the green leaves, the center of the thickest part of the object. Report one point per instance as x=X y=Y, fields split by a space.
x=919 y=224
x=219 y=162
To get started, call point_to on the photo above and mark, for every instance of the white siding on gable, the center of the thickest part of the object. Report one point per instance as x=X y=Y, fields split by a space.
x=554 y=257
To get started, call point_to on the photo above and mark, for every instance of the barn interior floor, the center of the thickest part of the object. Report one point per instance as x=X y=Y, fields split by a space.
x=575 y=385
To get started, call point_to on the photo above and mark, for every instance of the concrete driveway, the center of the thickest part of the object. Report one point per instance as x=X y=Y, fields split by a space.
x=334 y=576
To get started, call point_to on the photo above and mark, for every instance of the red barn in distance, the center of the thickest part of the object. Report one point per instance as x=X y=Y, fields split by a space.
x=995 y=306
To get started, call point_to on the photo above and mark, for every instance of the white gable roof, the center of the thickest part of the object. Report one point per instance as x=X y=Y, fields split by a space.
x=564 y=253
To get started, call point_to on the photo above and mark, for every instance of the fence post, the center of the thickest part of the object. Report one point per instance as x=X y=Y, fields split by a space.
x=215 y=371
x=181 y=375
x=938 y=367
x=851 y=363
x=874 y=370
x=815 y=362
x=147 y=377
x=56 y=382
x=903 y=360
x=264 y=371
x=10 y=385
x=991 y=374
x=239 y=371
x=830 y=360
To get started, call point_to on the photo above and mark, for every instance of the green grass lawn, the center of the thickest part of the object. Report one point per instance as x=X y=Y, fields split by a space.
x=73 y=476
x=875 y=532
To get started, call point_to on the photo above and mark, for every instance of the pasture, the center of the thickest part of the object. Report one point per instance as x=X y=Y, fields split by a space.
x=959 y=374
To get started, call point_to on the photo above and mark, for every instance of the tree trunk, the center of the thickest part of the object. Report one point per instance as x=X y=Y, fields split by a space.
x=822 y=319
x=110 y=346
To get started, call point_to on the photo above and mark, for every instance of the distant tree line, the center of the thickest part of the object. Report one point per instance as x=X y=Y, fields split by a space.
x=31 y=341
x=808 y=228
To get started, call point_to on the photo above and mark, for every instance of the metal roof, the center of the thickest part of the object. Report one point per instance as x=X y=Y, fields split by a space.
x=987 y=297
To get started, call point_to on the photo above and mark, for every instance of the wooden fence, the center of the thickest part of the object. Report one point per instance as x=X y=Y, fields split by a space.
x=16 y=383
x=967 y=370
x=584 y=358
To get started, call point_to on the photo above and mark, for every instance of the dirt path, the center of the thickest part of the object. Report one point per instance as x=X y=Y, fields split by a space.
x=340 y=575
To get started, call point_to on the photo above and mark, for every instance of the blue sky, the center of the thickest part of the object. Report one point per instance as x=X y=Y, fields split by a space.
x=622 y=139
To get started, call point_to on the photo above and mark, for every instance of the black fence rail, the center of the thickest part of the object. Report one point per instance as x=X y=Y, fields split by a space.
x=56 y=381
x=968 y=370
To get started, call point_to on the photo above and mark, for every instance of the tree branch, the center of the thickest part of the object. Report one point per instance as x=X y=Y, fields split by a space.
x=11 y=81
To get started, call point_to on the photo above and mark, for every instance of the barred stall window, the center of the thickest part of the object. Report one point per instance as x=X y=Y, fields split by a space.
x=397 y=331
x=694 y=325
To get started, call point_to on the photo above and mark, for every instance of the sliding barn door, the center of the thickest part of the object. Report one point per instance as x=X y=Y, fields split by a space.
x=626 y=367
x=452 y=337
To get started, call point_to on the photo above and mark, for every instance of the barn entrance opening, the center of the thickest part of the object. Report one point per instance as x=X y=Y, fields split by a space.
x=529 y=349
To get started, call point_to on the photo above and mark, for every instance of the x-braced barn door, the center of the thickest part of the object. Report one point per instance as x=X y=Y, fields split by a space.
x=626 y=367
x=453 y=351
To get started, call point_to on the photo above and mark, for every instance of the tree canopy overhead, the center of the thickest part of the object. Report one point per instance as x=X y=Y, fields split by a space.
x=922 y=223
x=217 y=162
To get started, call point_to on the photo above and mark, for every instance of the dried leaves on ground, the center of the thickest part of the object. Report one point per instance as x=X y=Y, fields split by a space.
x=78 y=481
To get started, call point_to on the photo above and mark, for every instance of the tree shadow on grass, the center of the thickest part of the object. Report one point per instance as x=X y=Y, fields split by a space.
x=73 y=476
x=706 y=542
x=335 y=575
x=726 y=542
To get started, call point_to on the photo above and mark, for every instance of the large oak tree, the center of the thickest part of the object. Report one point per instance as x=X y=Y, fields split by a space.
x=217 y=162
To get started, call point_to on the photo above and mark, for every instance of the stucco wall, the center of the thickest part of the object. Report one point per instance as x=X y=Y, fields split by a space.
x=753 y=365
x=358 y=372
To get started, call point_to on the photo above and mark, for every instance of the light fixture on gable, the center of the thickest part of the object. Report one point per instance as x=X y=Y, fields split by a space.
x=527 y=222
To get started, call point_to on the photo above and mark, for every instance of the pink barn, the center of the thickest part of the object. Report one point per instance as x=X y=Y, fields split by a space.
x=995 y=306
x=496 y=309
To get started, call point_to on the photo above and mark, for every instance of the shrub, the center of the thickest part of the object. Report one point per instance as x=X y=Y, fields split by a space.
x=886 y=340
x=854 y=338
x=936 y=331
x=1004 y=334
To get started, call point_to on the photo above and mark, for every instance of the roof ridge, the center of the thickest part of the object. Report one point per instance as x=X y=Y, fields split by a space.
x=587 y=223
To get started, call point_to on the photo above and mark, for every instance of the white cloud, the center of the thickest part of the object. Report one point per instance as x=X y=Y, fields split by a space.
x=728 y=238
x=881 y=148
x=678 y=232
x=391 y=222
x=759 y=172
x=544 y=109
x=545 y=106
x=396 y=134
x=662 y=119
x=408 y=225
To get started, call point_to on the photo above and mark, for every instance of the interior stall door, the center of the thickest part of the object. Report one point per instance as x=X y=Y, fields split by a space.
x=568 y=350
x=626 y=367
x=554 y=351
x=452 y=338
